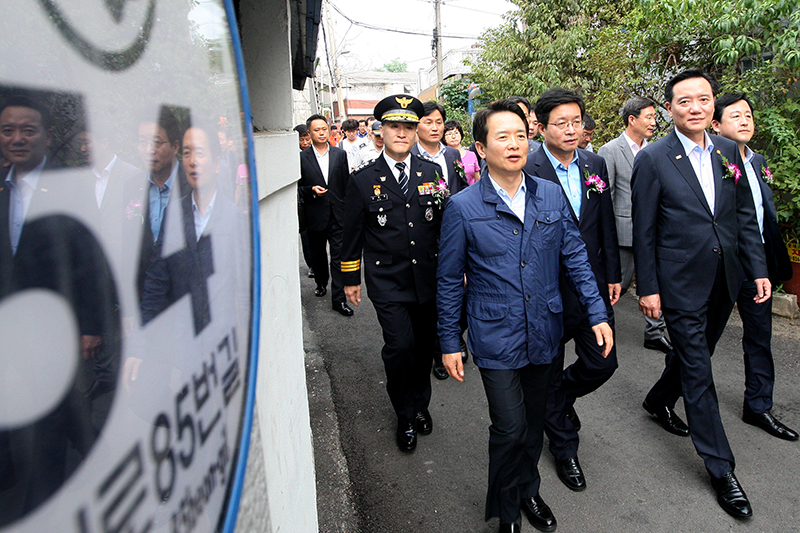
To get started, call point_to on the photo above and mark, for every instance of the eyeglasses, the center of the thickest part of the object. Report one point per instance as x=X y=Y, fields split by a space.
x=452 y=133
x=151 y=143
x=576 y=124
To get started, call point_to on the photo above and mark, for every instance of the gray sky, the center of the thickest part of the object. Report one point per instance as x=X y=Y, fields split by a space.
x=369 y=49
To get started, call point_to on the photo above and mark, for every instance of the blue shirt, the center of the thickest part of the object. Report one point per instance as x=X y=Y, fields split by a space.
x=159 y=198
x=570 y=179
x=755 y=188
x=516 y=204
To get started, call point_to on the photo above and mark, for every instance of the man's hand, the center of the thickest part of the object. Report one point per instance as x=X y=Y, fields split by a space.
x=614 y=292
x=319 y=190
x=764 y=288
x=353 y=293
x=454 y=365
x=130 y=371
x=605 y=337
x=650 y=305
x=90 y=346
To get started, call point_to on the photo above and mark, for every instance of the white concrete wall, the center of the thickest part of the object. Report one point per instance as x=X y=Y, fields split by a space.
x=281 y=398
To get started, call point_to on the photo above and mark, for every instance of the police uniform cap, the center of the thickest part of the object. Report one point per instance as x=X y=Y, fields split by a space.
x=399 y=108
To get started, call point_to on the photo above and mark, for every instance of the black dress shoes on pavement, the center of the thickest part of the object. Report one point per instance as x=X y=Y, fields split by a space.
x=662 y=344
x=668 y=419
x=539 y=514
x=731 y=497
x=439 y=371
x=406 y=437
x=506 y=527
x=572 y=416
x=320 y=291
x=423 y=422
x=570 y=473
x=343 y=309
x=770 y=424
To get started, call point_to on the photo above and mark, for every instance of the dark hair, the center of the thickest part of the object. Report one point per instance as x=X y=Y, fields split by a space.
x=211 y=131
x=21 y=100
x=633 y=108
x=371 y=118
x=430 y=106
x=167 y=120
x=334 y=127
x=301 y=129
x=729 y=99
x=453 y=125
x=312 y=118
x=553 y=98
x=349 y=125
x=521 y=100
x=588 y=122
x=362 y=121
x=479 y=124
x=688 y=74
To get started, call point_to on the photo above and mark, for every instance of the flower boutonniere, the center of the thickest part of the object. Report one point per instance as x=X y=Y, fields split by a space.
x=135 y=209
x=766 y=173
x=460 y=169
x=594 y=183
x=441 y=191
x=730 y=169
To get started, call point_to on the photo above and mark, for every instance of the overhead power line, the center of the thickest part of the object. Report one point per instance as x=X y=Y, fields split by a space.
x=395 y=30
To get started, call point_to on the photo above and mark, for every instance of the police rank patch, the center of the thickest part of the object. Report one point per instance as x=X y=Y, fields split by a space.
x=425 y=188
x=429 y=214
x=382 y=219
x=376 y=190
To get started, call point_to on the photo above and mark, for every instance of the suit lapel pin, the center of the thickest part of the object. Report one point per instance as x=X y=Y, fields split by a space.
x=678 y=156
x=419 y=174
x=382 y=178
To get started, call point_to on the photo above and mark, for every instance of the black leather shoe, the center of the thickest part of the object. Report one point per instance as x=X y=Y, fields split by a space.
x=320 y=291
x=731 y=497
x=570 y=473
x=770 y=424
x=406 y=437
x=662 y=344
x=539 y=514
x=572 y=416
x=343 y=309
x=464 y=352
x=423 y=422
x=505 y=527
x=439 y=371
x=668 y=419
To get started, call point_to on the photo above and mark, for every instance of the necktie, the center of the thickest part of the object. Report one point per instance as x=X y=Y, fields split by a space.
x=403 y=178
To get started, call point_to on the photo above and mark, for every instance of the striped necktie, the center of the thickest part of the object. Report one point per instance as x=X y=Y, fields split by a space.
x=403 y=178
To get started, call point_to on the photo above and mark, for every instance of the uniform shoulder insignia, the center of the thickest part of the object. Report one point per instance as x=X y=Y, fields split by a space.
x=363 y=166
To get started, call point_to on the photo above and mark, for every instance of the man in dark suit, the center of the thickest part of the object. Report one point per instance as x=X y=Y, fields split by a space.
x=639 y=116
x=324 y=173
x=582 y=178
x=512 y=234
x=693 y=224
x=430 y=132
x=393 y=217
x=733 y=119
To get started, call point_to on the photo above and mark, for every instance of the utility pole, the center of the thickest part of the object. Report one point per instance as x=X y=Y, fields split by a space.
x=437 y=37
x=337 y=78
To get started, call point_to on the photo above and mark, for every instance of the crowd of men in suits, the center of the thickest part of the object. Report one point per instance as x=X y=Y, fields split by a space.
x=88 y=232
x=536 y=253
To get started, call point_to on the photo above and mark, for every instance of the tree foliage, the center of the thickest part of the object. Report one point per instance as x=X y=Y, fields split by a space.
x=395 y=65
x=612 y=50
x=454 y=96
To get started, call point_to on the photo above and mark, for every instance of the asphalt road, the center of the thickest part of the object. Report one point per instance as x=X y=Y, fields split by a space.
x=639 y=477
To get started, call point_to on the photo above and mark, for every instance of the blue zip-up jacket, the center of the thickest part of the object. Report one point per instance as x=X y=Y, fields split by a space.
x=513 y=299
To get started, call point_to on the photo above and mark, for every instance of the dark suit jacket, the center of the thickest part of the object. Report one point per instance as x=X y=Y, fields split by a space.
x=596 y=224
x=398 y=235
x=454 y=180
x=323 y=210
x=779 y=265
x=677 y=241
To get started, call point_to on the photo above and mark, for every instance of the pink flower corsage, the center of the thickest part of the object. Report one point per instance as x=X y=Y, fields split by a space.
x=440 y=191
x=594 y=183
x=135 y=209
x=767 y=174
x=730 y=169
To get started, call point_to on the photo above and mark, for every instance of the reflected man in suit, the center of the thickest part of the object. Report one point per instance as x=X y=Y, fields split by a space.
x=639 y=116
x=324 y=172
x=693 y=224
x=733 y=119
x=560 y=161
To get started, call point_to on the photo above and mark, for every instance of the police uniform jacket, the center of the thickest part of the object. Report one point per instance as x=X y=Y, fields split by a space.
x=398 y=234
x=514 y=307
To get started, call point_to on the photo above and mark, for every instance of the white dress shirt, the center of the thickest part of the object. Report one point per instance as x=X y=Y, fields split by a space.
x=396 y=173
x=101 y=181
x=322 y=160
x=20 y=200
x=438 y=159
x=632 y=144
x=700 y=159
x=755 y=188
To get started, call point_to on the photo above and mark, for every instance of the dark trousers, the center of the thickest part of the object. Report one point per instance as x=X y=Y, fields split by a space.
x=517 y=400
x=759 y=369
x=332 y=236
x=306 y=249
x=582 y=377
x=409 y=337
x=694 y=336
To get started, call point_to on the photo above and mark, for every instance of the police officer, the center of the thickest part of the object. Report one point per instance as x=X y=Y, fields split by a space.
x=392 y=215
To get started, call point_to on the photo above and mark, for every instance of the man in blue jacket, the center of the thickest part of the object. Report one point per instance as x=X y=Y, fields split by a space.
x=510 y=235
